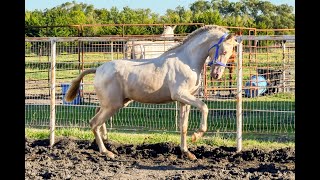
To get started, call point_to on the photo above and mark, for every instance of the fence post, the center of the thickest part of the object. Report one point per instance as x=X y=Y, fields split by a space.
x=284 y=66
x=239 y=97
x=205 y=83
x=53 y=91
x=111 y=50
x=111 y=122
x=176 y=116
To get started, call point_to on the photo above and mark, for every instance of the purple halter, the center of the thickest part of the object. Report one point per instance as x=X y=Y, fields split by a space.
x=214 y=60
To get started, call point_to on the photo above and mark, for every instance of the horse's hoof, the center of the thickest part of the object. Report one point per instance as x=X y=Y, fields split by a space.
x=109 y=154
x=194 y=137
x=190 y=156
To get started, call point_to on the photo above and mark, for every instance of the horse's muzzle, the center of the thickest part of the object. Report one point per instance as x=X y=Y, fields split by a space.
x=216 y=72
x=214 y=76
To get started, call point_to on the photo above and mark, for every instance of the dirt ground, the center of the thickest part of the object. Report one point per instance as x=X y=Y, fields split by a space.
x=80 y=159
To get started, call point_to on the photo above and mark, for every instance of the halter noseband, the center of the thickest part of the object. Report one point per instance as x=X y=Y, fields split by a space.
x=215 y=58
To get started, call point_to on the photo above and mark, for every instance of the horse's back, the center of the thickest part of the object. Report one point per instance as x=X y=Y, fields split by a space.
x=142 y=81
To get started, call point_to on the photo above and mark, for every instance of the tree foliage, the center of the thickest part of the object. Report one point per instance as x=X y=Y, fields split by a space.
x=244 y=13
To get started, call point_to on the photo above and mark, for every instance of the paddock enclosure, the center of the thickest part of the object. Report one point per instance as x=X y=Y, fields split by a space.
x=263 y=95
x=256 y=96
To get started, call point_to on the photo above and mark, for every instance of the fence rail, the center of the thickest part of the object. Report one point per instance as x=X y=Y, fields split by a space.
x=261 y=98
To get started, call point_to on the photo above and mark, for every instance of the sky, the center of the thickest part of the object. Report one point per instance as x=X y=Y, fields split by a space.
x=157 y=6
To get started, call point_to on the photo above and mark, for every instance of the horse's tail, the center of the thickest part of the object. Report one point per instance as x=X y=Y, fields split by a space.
x=75 y=84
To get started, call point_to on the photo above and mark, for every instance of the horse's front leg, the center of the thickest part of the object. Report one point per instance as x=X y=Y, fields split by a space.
x=186 y=98
x=184 y=116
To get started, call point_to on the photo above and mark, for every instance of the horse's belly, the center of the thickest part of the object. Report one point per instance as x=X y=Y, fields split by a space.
x=146 y=95
x=153 y=99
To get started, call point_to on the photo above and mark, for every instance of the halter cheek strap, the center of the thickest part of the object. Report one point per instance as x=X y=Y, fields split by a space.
x=215 y=58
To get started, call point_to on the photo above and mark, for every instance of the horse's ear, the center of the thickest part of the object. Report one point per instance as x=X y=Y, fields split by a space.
x=174 y=27
x=230 y=36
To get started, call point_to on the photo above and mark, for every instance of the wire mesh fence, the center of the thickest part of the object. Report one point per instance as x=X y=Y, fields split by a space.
x=37 y=84
x=268 y=91
x=269 y=85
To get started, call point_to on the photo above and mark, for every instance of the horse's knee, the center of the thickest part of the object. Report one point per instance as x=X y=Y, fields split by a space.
x=203 y=128
x=184 y=129
x=205 y=109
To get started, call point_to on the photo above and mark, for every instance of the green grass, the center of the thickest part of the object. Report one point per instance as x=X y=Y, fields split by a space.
x=250 y=141
x=274 y=115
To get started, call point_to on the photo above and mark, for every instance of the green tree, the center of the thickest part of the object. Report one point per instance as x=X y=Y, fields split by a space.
x=200 y=6
x=244 y=13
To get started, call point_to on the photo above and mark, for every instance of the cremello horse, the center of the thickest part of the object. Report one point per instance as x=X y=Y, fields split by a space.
x=174 y=76
x=149 y=49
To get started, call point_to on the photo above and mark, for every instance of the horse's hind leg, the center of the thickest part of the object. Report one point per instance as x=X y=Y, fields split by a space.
x=103 y=128
x=96 y=122
x=104 y=133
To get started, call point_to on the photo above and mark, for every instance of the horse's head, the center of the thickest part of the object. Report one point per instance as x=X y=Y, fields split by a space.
x=220 y=53
x=168 y=31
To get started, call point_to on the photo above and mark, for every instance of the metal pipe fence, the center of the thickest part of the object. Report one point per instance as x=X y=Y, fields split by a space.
x=266 y=88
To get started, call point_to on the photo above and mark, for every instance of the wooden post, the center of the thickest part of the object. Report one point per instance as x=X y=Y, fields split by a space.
x=239 y=98
x=53 y=91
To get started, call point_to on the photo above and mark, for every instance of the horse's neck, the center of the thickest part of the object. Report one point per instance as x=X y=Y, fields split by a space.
x=196 y=51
